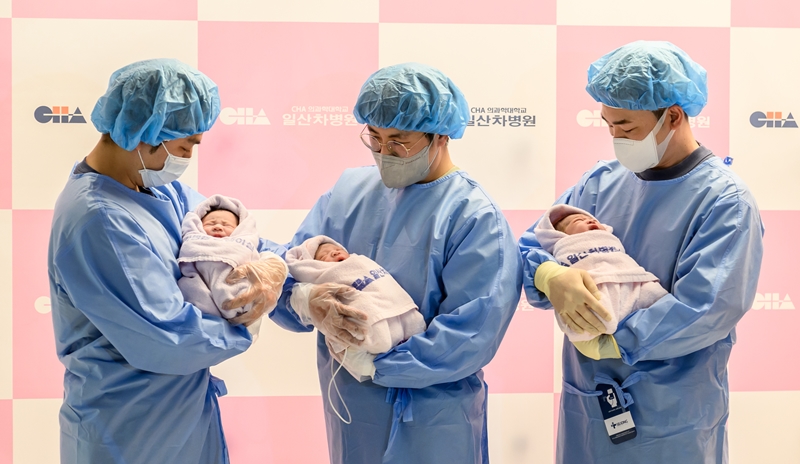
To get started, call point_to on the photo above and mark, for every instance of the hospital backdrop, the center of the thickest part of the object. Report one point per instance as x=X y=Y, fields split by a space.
x=289 y=73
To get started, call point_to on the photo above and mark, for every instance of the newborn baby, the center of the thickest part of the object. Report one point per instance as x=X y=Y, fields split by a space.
x=220 y=223
x=331 y=253
x=392 y=314
x=577 y=239
x=223 y=239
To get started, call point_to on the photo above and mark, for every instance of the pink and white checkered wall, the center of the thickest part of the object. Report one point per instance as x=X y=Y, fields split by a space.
x=289 y=73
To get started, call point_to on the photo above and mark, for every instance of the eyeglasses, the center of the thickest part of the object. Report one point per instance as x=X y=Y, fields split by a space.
x=395 y=148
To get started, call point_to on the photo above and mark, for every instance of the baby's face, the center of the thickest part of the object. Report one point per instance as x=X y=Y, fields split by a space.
x=330 y=253
x=220 y=223
x=577 y=223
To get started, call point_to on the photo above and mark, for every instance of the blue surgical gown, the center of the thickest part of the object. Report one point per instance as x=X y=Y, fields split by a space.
x=700 y=233
x=451 y=249
x=137 y=387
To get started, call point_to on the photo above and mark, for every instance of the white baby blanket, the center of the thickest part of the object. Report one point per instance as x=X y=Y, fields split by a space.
x=392 y=313
x=205 y=261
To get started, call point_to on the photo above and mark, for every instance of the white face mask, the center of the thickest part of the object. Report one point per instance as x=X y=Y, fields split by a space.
x=173 y=168
x=640 y=155
x=401 y=172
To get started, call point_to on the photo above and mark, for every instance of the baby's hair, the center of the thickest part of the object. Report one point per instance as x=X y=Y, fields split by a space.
x=219 y=208
x=559 y=222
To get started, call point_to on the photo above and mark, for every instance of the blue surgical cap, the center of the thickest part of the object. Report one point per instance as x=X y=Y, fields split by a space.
x=156 y=100
x=648 y=76
x=413 y=97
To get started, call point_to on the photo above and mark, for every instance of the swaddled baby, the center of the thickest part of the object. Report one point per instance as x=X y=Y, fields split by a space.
x=576 y=239
x=217 y=237
x=392 y=315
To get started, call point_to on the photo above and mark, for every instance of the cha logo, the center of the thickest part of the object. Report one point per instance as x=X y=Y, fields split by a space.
x=42 y=305
x=772 y=301
x=589 y=118
x=243 y=116
x=58 y=115
x=773 y=119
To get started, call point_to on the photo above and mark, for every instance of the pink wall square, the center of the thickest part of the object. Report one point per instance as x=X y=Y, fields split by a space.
x=578 y=147
x=274 y=429
x=521 y=220
x=104 y=9
x=286 y=70
x=765 y=13
x=524 y=362
x=37 y=371
x=5 y=113
x=6 y=432
x=469 y=12
x=766 y=336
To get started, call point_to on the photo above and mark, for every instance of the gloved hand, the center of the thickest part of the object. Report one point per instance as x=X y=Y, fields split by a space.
x=602 y=347
x=324 y=306
x=266 y=277
x=574 y=296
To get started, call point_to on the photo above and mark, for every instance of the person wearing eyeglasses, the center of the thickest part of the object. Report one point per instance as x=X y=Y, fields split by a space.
x=445 y=241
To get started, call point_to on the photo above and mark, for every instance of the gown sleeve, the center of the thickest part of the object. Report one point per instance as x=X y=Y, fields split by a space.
x=715 y=283
x=481 y=279
x=312 y=225
x=111 y=273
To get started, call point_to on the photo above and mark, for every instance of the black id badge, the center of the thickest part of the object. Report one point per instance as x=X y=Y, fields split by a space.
x=619 y=423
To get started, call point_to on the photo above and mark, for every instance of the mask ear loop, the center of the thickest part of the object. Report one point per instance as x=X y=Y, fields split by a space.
x=142 y=160
x=430 y=163
x=338 y=393
x=165 y=149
